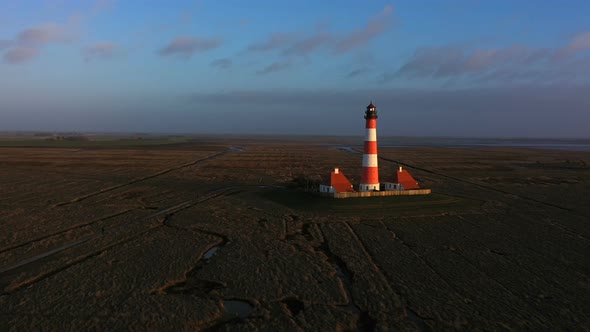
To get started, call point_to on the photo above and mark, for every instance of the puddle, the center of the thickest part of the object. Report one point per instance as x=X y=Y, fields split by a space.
x=344 y=275
x=193 y=284
x=238 y=308
x=340 y=273
x=346 y=282
x=365 y=322
x=294 y=305
x=194 y=287
x=210 y=253
x=348 y=149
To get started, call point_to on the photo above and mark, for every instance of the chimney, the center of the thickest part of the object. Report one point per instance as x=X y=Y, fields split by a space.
x=400 y=168
x=336 y=170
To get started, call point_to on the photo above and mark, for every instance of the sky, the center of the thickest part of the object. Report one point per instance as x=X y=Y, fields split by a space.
x=461 y=68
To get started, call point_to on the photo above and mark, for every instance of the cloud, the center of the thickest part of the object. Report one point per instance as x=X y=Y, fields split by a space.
x=275 y=67
x=5 y=44
x=20 y=54
x=357 y=72
x=292 y=43
x=102 y=50
x=535 y=111
x=44 y=34
x=224 y=63
x=513 y=64
x=186 y=46
x=301 y=43
x=430 y=61
x=275 y=41
x=309 y=44
x=579 y=43
x=361 y=37
x=559 y=110
x=27 y=44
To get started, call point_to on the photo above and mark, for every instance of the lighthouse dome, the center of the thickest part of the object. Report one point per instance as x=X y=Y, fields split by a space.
x=371 y=112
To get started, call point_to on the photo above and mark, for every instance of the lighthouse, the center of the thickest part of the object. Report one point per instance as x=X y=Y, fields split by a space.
x=370 y=176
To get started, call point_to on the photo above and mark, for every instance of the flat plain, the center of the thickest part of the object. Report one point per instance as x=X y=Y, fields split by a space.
x=213 y=234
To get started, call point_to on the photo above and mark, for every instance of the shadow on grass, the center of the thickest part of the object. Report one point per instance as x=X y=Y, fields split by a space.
x=375 y=206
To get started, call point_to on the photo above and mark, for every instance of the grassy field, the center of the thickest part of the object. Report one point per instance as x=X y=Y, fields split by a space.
x=373 y=206
x=189 y=234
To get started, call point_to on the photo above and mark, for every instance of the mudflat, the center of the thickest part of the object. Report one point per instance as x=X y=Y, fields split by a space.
x=219 y=235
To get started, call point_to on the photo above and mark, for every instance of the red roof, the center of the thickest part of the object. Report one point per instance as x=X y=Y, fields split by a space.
x=405 y=178
x=340 y=182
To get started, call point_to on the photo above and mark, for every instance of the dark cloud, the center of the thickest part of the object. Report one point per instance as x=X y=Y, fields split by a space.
x=20 y=54
x=102 y=50
x=558 y=110
x=186 y=46
x=275 y=67
x=224 y=63
x=275 y=41
x=534 y=111
x=361 y=37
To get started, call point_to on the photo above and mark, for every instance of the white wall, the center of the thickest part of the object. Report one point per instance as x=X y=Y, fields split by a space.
x=327 y=189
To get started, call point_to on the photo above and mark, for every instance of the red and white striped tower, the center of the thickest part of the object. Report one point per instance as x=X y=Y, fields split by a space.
x=370 y=176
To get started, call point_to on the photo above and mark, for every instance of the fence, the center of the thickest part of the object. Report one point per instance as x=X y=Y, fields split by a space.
x=377 y=193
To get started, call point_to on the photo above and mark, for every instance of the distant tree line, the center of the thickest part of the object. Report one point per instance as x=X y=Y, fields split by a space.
x=68 y=138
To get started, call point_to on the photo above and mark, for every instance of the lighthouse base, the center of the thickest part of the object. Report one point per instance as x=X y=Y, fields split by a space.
x=369 y=187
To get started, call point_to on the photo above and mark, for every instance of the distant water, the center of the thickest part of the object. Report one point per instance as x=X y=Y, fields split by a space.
x=568 y=147
x=547 y=144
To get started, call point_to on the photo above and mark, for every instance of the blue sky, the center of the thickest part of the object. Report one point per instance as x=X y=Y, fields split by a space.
x=434 y=68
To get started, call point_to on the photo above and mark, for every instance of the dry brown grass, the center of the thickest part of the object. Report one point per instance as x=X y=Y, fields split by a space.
x=501 y=244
